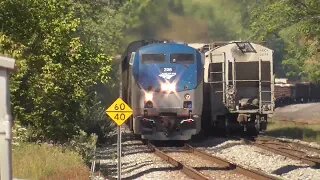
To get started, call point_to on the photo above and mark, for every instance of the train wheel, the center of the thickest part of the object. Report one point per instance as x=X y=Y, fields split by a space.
x=263 y=123
x=137 y=136
x=224 y=125
x=217 y=126
x=253 y=128
x=257 y=124
x=144 y=141
x=227 y=126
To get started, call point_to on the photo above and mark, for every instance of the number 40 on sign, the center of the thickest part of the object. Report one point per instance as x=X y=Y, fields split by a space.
x=119 y=111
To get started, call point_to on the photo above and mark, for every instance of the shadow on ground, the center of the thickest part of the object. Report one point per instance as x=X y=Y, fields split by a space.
x=110 y=171
x=286 y=169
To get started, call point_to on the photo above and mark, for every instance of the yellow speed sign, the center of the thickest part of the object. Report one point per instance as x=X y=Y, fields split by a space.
x=119 y=111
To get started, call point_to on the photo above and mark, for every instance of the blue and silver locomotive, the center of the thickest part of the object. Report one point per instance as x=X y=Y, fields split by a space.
x=163 y=83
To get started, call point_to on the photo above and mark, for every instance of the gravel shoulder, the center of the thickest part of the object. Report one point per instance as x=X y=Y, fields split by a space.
x=307 y=113
x=137 y=163
x=255 y=158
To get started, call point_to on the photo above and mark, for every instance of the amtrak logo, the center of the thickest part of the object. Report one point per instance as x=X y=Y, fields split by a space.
x=167 y=75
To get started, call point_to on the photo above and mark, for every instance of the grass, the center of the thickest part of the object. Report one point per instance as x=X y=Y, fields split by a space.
x=306 y=132
x=32 y=161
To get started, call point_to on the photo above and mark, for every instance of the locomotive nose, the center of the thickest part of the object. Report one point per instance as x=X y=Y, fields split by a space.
x=168 y=87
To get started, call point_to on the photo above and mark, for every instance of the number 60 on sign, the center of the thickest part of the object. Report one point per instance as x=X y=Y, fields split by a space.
x=119 y=111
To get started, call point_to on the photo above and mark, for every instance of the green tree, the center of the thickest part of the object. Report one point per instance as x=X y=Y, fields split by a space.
x=205 y=20
x=297 y=23
x=64 y=50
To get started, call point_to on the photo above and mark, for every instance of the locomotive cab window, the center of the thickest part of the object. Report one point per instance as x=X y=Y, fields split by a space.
x=182 y=58
x=153 y=58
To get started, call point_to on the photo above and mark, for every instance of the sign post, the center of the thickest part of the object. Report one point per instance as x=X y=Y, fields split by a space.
x=119 y=112
x=6 y=64
x=119 y=152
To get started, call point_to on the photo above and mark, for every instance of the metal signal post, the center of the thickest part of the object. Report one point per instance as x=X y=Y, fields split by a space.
x=6 y=64
x=119 y=112
x=119 y=127
x=119 y=152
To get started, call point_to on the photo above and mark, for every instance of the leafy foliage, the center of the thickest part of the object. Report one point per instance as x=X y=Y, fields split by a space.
x=227 y=20
x=189 y=20
x=63 y=55
x=297 y=23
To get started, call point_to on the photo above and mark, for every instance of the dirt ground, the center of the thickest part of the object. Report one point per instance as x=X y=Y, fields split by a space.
x=308 y=113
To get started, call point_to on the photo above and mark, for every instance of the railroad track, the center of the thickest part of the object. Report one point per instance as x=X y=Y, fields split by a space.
x=289 y=149
x=210 y=164
x=296 y=144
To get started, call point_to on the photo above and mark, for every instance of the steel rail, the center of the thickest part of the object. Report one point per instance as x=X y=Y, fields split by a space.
x=296 y=144
x=189 y=171
x=281 y=149
x=231 y=166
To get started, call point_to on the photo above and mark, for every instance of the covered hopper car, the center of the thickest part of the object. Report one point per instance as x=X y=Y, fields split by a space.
x=238 y=84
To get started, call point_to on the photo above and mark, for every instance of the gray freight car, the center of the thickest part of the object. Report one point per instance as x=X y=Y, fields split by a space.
x=239 y=84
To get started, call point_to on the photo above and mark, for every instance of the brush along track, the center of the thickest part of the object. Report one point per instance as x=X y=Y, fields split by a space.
x=200 y=165
x=288 y=149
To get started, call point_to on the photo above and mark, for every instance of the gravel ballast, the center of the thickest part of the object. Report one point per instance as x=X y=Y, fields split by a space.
x=255 y=158
x=138 y=162
x=206 y=167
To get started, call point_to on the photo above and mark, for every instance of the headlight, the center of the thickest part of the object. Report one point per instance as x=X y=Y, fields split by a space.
x=168 y=87
x=148 y=104
x=187 y=96
x=148 y=96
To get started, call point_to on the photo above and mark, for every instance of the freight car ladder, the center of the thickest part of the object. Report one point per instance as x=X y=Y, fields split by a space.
x=217 y=75
x=270 y=81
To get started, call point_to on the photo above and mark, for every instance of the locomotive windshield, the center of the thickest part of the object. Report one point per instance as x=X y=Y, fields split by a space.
x=182 y=58
x=153 y=58
x=177 y=64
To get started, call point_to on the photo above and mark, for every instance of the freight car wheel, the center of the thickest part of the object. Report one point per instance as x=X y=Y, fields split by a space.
x=137 y=136
x=144 y=141
x=251 y=131
x=227 y=126
x=253 y=128
x=257 y=124
x=221 y=126
x=224 y=125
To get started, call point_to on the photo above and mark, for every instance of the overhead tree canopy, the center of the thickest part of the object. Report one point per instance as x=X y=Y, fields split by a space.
x=189 y=20
x=298 y=24
x=63 y=49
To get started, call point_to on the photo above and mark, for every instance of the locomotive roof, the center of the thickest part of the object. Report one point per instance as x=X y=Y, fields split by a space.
x=132 y=47
x=163 y=47
x=241 y=52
